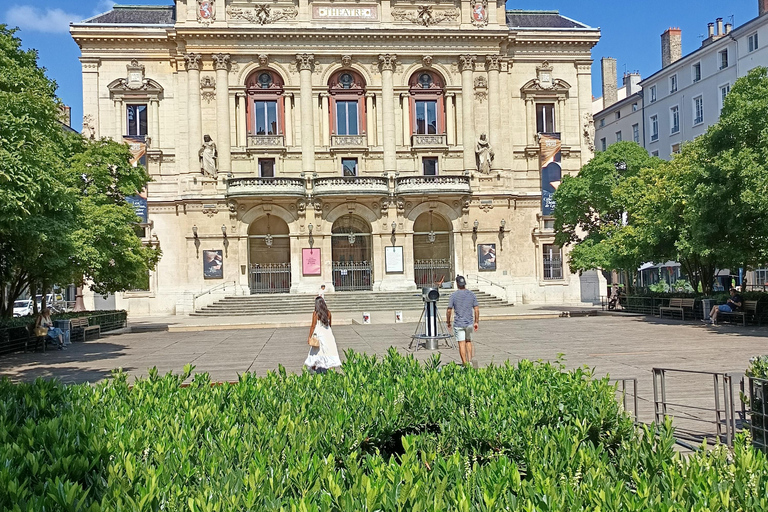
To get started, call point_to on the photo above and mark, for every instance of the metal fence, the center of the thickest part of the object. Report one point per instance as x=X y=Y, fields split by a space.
x=352 y=276
x=271 y=278
x=758 y=413
x=431 y=272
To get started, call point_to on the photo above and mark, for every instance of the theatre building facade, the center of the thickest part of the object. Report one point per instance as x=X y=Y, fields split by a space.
x=377 y=146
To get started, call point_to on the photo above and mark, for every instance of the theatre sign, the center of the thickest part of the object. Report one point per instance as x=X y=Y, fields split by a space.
x=356 y=13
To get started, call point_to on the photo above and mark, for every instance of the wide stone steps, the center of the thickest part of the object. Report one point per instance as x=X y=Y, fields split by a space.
x=277 y=304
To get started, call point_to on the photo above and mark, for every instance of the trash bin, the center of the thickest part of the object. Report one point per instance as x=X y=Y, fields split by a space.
x=65 y=328
x=706 y=306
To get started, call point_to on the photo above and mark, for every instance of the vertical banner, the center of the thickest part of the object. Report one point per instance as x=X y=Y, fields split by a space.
x=551 y=171
x=138 y=149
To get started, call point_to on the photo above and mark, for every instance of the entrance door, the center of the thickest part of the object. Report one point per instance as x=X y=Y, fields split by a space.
x=351 y=254
x=432 y=250
x=269 y=247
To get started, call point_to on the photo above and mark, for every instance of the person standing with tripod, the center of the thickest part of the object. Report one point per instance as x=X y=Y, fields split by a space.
x=464 y=303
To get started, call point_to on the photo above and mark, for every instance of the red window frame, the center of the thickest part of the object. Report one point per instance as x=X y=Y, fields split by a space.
x=255 y=92
x=435 y=92
x=356 y=92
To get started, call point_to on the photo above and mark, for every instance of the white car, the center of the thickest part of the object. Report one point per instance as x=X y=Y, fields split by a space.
x=22 y=307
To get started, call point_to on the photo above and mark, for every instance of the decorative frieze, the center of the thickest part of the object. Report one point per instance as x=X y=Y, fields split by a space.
x=262 y=14
x=208 y=88
x=426 y=16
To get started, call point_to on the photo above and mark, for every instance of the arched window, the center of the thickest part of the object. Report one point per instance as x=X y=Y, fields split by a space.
x=265 y=106
x=427 y=103
x=347 y=90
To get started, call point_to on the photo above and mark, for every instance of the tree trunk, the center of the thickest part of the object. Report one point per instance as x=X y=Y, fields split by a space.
x=79 y=303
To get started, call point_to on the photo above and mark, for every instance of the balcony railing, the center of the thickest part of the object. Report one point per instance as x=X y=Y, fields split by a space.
x=265 y=187
x=349 y=141
x=429 y=141
x=351 y=185
x=433 y=185
x=266 y=141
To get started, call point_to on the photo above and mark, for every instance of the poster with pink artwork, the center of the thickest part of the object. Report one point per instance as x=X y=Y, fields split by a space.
x=310 y=262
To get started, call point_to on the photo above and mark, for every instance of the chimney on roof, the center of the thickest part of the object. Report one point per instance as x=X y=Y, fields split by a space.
x=671 y=46
x=719 y=22
x=711 y=29
x=728 y=28
x=762 y=6
x=610 y=94
x=632 y=83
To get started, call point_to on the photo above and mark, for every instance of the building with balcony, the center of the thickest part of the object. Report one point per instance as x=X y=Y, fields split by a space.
x=355 y=145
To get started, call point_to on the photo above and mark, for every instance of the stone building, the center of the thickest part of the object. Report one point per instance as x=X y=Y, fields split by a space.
x=364 y=145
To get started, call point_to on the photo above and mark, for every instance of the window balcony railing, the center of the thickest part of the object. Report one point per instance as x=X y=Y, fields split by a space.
x=429 y=141
x=266 y=141
x=433 y=185
x=349 y=141
x=351 y=185
x=273 y=187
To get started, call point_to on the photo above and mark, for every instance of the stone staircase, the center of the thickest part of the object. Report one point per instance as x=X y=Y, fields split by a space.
x=284 y=303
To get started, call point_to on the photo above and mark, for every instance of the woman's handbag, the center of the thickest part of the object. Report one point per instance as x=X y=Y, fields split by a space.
x=41 y=331
x=314 y=341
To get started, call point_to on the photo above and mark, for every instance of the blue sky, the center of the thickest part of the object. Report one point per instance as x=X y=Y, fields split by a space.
x=629 y=34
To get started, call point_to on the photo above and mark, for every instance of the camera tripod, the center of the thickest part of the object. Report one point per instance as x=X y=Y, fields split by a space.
x=431 y=329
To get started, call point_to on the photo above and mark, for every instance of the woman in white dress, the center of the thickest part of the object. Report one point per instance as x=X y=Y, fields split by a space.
x=325 y=356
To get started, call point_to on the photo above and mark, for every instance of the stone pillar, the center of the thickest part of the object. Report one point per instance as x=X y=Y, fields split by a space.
x=405 y=98
x=467 y=66
x=224 y=144
x=242 y=136
x=530 y=122
x=288 y=108
x=326 y=118
x=305 y=64
x=370 y=119
x=154 y=112
x=194 y=115
x=90 y=67
x=494 y=108
x=450 y=119
x=505 y=144
x=560 y=125
x=387 y=62
x=119 y=127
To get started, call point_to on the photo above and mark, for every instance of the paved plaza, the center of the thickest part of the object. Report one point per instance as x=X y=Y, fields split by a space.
x=622 y=346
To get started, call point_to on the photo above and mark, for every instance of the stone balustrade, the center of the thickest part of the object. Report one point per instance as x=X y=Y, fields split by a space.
x=266 y=141
x=272 y=187
x=351 y=185
x=349 y=141
x=420 y=185
x=429 y=141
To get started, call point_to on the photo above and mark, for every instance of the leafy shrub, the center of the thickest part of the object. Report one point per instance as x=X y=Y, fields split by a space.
x=384 y=435
x=21 y=321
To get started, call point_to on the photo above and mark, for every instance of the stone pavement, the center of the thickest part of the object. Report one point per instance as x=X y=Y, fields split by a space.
x=622 y=346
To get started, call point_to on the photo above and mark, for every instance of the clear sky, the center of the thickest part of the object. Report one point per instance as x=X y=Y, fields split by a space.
x=630 y=31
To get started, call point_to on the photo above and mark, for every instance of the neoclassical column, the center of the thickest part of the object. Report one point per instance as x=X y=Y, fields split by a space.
x=494 y=108
x=224 y=144
x=450 y=119
x=326 y=118
x=506 y=133
x=154 y=112
x=405 y=98
x=467 y=66
x=560 y=126
x=387 y=63
x=305 y=64
x=288 y=107
x=242 y=138
x=193 y=109
x=530 y=121
x=119 y=126
x=370 y=119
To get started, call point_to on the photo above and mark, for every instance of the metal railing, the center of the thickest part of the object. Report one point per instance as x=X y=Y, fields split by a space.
x=502 y=293
x=432 y=272
x=758 y=413
x=352 y=276
x=622 y=388
x=220 y=286
x=271 y=278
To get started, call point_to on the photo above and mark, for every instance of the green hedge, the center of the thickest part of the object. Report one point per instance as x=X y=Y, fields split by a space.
x=20 y=321
x=389 y=435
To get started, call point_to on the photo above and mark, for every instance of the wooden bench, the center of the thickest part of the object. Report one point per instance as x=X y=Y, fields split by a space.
x=79 y=327
x=678 y=304
x=748 y=310
x=33 y=338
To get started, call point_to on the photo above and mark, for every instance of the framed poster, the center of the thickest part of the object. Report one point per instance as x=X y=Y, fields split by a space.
x=486 y=256
x=213 y=264
x=393 y=259
x=310 y=262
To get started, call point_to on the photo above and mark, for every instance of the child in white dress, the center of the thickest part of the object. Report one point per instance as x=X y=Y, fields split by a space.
x=325 y=356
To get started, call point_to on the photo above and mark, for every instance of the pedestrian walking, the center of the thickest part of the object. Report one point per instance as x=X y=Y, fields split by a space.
x=323 y=354
x=464 y=304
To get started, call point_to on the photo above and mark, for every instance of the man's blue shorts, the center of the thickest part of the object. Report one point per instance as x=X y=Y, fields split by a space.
x=724 y=308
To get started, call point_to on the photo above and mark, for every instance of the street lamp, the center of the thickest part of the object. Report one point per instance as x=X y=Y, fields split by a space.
x=311 y=238
x=226 y=240
x=197 y=240
x=475 y=225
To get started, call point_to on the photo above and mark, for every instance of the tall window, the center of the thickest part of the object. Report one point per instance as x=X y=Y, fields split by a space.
x=553 y=262
x=723 y=59
x=618 y=115
x=265 y=103
x=545 y=118
x=724 y=90
x=603 y=144
x=698 y=110
x=429 y=166
x=602 y=122
x=752 y=42
x=137 y=120
x=653 y=93
x=427 y=103
x=347 y=89
x=696 y=72
x=674 y=119
x=673 y=84
x=634 y=107
x=618 y=136
x=636 y=133
x=654 y=128
x=349 y=167
x=761 y=277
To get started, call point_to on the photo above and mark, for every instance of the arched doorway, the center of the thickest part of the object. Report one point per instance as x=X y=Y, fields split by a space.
x=351 y=254
x=269 y=252
x=432 y=249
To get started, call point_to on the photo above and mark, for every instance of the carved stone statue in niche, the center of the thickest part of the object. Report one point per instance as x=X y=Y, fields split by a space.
x=208 y=157
x=484 y=154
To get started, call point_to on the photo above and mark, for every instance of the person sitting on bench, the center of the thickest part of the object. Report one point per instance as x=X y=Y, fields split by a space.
x=44 y=320
x=734 y=304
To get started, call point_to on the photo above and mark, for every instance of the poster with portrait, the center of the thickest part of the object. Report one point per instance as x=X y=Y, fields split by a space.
x=486 y=256
x=393 y=259
x=213 y=264
x=551 y=170
x=310 y=262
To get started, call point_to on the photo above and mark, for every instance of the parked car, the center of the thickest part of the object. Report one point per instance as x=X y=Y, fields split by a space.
x=22 y=307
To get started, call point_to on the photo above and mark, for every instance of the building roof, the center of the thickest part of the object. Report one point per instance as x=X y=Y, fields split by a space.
x=540 y=19
x=136 y=15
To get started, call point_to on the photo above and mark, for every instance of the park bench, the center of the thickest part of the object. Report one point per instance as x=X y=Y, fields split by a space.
x=749 y=310
x=79 y=327
x=678 y=304
x=34 y=339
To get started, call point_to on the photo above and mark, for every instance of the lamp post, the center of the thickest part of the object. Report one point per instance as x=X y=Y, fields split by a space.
x=394 y=227
x=226 y=240
x=311 y=238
